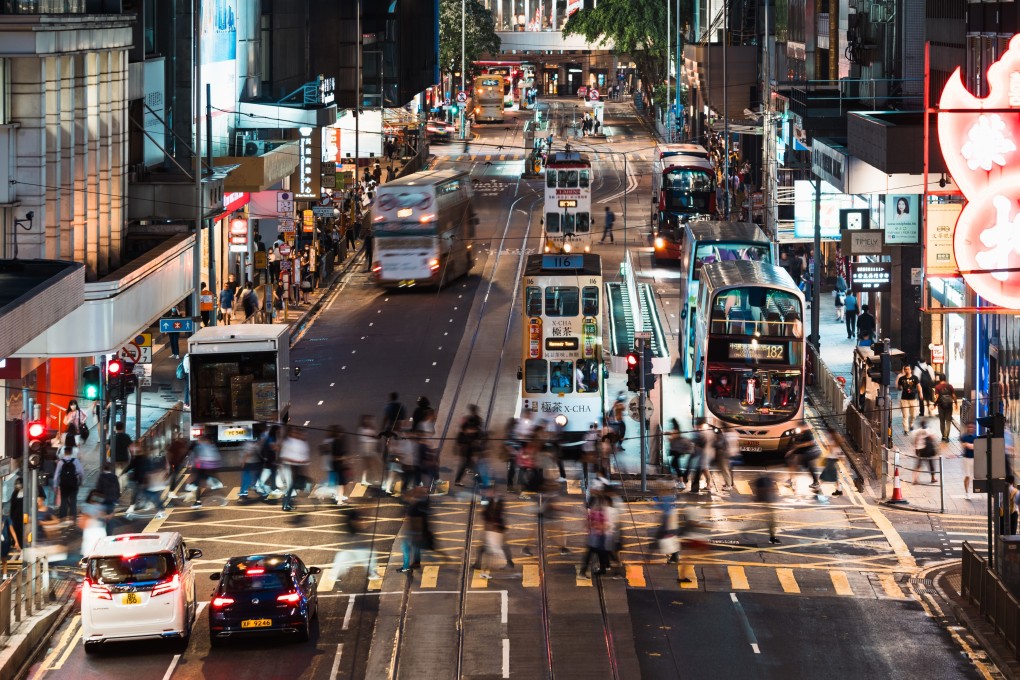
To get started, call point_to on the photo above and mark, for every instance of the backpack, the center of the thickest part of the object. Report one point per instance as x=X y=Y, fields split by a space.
x=68 y=475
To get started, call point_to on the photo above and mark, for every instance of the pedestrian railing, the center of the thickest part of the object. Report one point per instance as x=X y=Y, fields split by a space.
x=171 y=425
x=29 y=590
x=864 y=437
x=831 y=387
x=983 y=588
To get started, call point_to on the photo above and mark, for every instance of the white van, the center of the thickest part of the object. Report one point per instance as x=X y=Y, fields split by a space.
x=138 y=586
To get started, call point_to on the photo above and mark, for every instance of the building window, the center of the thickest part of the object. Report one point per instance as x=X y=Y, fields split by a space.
x=5 y=91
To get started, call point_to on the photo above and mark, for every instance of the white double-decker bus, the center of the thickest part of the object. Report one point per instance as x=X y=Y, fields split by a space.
x=488 y=98
x=749 y=353
x=422 y=226
x=566 y=219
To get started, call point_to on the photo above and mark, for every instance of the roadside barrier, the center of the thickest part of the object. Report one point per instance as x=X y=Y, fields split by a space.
x=985 y=590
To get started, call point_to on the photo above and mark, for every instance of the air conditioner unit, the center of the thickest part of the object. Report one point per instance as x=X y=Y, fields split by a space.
x=257 y=147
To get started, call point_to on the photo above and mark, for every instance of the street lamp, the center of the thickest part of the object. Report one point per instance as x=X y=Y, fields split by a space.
x=21 y=223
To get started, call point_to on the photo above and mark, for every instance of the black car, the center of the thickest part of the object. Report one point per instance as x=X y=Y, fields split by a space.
x=261 y=594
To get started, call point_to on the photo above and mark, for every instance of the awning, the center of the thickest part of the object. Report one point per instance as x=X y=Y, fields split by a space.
x=258 y=173
x=34 y=296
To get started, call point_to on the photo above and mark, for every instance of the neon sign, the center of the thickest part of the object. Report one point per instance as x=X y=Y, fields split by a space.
x=979 y=139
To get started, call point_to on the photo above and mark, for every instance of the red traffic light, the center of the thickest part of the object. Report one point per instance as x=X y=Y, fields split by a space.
x=36 y=429
x=632 y=360
x=115 y=367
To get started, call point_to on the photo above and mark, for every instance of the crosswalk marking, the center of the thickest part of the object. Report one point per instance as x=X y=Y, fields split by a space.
x=889 y=585
x=787 y=580
x=574 y=486
x=786 y=491
x=232 y=496
x=477 y=581
x=635 y=576
x=693 y=584
x=529 y=576
x=743 y=487
x=327 y=580
x=359 y=490
x=375 y=584
x=429 y=576
x=583 y=581
x=738 y=579
x=841 y=583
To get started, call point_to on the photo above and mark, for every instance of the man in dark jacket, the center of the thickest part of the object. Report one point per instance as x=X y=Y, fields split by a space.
x=120 y=443
x=866 y=324
x=108 y=486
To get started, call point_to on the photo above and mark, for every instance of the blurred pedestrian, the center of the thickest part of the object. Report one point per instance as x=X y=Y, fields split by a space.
x=369 y=456
x=137 y=472
x=495 y=530
x=693 y=544
x=727 y=448
x=704 y=444
x=251 y=466
x=925 y=449
x=596 y=538
x=468 y=442
x=589 y=451
x=205 y=462
x=417 y=532
x=945 y=402
x=67 y=480
x=295 y=456
x=8 y=542
x=667 y=535
x=802 y=454
x=766 y=492
x=967 y=444
x=269 y=450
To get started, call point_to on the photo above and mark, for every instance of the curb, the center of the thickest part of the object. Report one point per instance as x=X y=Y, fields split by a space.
x=335 y=277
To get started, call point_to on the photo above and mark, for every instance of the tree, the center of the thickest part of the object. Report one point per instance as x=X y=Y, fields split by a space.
x=636 y=27
x=480 y=34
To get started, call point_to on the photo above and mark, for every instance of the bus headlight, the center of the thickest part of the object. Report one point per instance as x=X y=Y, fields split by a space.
x=561 y=420
x=659 y=243
x=434 y=264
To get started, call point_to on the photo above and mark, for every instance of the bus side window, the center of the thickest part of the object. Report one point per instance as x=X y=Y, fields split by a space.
x=584 y=179
x=550 y=179
x=534 y=301
x=590 y=301
x=536 y=376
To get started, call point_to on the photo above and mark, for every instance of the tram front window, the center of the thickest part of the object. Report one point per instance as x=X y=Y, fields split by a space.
x=708 y=253
x=584 y=179
x=550 y=179
x=568 y=179
x=536 y=376
x=561 y=301
x=756 y=311
x=583 y=223
x=552 y=223
x=533 y=301
x=590 y=301
x=586 y=375
x=562 y=380
x=745 y=397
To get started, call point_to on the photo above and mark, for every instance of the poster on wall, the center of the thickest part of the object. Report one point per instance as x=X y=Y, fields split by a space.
x=902 y=219
x=219 y=64
x=939 y=259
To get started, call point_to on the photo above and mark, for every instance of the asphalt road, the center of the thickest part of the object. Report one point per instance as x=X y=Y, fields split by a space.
x=833 y=598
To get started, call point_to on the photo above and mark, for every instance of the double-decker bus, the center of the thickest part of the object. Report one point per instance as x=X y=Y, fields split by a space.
x=704 y=243
x=526 y=94
x=566 y=218
x=488 y=98
x=749 y=353
x=683 y=190
x=422 y=226
x=561 y=358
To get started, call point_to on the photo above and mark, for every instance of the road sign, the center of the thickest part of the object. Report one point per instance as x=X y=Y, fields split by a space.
x=593 y=95
x=322 y=210
x=284 y=249
x=285 y=265
x=284 y=202
x=446 y=102
x=462 y=97
x=143 y=340
x=287 y=225
x=175 y=324
x=146 y=357
x=132 y=353
x=260 y=259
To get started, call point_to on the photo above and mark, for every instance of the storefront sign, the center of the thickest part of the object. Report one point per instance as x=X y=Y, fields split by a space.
x=939 y=259
x=938 y=354
x=327 y=90
x=871 y=277
x=862 y=242
x=307 y=221
x=981 y=152
x=307 y=173
x=902 y=219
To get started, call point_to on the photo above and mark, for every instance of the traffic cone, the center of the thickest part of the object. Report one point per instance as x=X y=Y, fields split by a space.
x=897 y=493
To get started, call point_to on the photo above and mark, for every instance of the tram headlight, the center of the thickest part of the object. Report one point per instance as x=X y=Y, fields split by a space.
x=561 y=420
x=659 y=243
x=566 y=247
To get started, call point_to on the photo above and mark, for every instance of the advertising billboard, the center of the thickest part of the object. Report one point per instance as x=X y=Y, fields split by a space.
x=902 y=219
x=832 y=202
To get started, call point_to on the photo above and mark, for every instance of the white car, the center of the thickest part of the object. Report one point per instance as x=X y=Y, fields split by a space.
x=138 y=586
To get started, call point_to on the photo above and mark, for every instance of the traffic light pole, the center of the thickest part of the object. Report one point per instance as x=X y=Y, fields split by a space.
x=886 y=414
x=26 y=406
x=102 y=412
x=640 y=346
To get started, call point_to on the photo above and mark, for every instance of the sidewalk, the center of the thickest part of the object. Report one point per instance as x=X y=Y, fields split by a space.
x=836 y=351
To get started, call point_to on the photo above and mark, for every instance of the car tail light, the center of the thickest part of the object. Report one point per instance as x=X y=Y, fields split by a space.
x=289 y=598
x=167 y=585
x=434 y=264
x=100 y=592
x=255 y=572
x=220 y=601
x=376 y=267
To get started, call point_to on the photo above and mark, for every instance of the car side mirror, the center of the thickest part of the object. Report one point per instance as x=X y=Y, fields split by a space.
x=83 y=562
x=214 y=577
x=697 y=376
x=194 y=553
x=314 y=570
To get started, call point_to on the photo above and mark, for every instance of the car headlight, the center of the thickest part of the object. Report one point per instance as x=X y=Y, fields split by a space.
x=659 y=243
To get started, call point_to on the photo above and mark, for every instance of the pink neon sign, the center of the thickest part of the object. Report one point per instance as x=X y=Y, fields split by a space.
x=980 y=147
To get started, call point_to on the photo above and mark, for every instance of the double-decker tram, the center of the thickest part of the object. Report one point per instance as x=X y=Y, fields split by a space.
x=422 y=226
x=749 y=353
x=566 y=218
x=704 y=243
x=562 y=341
x=683 y=190
x=526 y=94
x=487 y=94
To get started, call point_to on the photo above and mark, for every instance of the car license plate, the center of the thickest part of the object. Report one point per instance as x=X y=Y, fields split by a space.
x=130 y=598
x=256 y=623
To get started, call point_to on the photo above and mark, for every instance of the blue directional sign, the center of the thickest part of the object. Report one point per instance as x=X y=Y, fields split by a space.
x=176 y=324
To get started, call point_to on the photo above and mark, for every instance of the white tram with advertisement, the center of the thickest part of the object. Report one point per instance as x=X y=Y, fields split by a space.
x=487 y=95
x=561 y=363
x=422 y=226
x=749 y=353
x=566 y=219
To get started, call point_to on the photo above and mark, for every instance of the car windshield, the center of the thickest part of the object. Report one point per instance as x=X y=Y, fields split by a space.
x=239 y=582
x=131 y=569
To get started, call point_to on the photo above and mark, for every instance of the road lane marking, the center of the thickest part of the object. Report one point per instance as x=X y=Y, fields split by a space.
x=232 y=495
x=349 y=612
x=506 y=657
x=743 y=487
x=787 y=580
x=47 y=663
x=67 y=652
x=477 y=581
x=574 y=486
x=840 y=582
x=583 y=581
x=328 y=579
x=738 y=579
x=693 y=584
x=358 y=491
x=530 y=576
x=155 y=523
x=747 y=624
x=429 y=576
x=173 y=665
x=334 y=672
x=889 y=585
x=504 y=606
x=306 y=423
x=375 y=583
x=320 y=402
x=636 y=576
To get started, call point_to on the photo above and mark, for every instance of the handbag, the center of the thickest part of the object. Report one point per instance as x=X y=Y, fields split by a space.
x=83 y=432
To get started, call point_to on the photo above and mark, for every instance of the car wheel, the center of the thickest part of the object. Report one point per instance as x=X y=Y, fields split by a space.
x=91 y=647
x=302 y=634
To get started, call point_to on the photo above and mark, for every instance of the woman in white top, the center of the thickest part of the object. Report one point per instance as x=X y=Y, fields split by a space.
x=368 y=451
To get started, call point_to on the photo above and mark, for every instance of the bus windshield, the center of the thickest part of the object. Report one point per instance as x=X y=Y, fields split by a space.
x=687 y=190
x=707 y=253
x=759 y=312
x=745 y=396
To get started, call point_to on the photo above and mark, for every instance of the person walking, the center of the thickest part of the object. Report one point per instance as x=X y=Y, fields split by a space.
x=495 y=530
x=803 y=454
x=206 y=301
x=865 y=324
x=967 y=444
x=417 y=533
x=249 y=301
x=766 y=492
x=295 y=456
x=728 y=448
x=945 y=402
x=668 y=534
x=137 y=472
x=607 y=227
x=226 y=304
x=468 y=441
x=850 y=314
x=121 y=444
x=174 y=338
x=176 y=457
x=338 y=462
x=926 y=377
x=679 y=450
x=68 y=479
x=269 y=450
x=589 y=451
x=205 y=462
x=839 y=296
x=368 y=452
x=704 y=440
x=908 y=386
x=251 y=466
x=924 y=449
x=596 y=538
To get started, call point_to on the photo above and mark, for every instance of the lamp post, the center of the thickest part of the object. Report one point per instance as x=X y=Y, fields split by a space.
x=463 y=48
x=29 y=216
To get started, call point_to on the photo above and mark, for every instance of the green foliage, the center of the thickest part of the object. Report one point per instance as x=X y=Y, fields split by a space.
x=479 y=29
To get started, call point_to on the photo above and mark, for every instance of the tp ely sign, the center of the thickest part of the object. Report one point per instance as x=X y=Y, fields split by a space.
x=862 y=242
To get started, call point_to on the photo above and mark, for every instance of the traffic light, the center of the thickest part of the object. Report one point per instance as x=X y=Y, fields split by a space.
x=633 y=372
x=90 y=377
x=115 y=379
x=36 y=443
x=649 y=376
x=115 y=368
x=454 y=109
x=880 y=366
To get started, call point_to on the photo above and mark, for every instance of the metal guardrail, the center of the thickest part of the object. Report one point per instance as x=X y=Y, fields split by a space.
x=27 y=591
x=864 y=437
x=170 y=426
x=985 y=590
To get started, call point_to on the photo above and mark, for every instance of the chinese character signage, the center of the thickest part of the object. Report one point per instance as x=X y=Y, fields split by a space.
x=306 y=177
x=871 y=277
x=939 y=259
x=979 y=140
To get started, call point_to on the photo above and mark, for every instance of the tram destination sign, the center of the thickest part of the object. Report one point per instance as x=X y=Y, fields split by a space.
x=871 y=277
x=562 y=262
x=756 y=351
x=562 y=344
